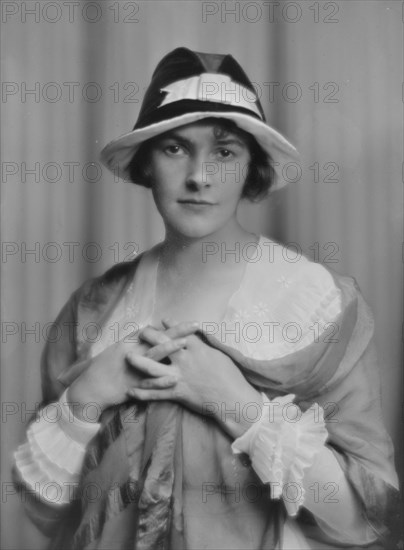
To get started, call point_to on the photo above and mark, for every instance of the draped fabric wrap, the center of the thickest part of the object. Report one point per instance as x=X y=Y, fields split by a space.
x=160 y=476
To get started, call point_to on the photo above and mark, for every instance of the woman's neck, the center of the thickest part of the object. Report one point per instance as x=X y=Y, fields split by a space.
x=216 y=252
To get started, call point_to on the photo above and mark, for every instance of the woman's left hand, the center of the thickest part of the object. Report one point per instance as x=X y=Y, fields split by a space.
x=203 y=379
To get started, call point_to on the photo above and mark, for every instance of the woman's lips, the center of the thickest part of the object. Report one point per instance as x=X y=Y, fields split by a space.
x=194 y=201
x=196 y=205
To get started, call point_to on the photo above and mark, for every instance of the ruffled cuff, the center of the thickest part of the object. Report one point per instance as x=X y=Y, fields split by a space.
x=50 y=461
x=282 y=445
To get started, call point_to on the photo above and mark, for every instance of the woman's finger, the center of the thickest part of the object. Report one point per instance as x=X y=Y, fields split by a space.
x=159 y=352
x=162 y=382
x=181 y=330
x=169 y=322
x=153 y=336
x=147 y=366
x=151 y=395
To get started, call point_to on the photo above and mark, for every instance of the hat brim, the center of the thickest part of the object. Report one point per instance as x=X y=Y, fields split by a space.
x=116 y=156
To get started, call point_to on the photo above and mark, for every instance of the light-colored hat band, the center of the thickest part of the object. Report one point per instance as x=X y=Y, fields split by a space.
x=218 y=88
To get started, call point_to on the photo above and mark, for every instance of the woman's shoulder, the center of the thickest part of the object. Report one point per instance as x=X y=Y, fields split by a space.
x=286 y=266
x=287 y=292
x=114 y=278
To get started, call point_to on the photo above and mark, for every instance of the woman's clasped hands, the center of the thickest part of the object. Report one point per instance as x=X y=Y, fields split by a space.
x=196 y=375
x=106 y=378
x=199 y=377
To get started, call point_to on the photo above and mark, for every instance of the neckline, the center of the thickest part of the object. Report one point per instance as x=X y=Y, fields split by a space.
x=244 y=279
x=148 y=268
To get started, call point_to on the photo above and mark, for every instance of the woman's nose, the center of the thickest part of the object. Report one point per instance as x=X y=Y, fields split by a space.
x=200 y=172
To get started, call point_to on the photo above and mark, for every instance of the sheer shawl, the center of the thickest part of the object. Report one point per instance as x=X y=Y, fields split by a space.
x=160 y=476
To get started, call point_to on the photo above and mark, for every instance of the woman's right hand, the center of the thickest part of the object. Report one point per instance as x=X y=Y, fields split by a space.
x=108 y=376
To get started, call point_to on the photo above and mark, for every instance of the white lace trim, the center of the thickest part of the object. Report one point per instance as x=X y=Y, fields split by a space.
x=44 y=482
x=50 y=461
x=282 y=308
x=282 y=445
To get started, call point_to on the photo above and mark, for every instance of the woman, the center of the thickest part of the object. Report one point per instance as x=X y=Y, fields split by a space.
x=229 y=396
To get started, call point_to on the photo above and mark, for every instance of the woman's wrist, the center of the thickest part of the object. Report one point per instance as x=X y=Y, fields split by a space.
x=238 y=411
x=83 y=405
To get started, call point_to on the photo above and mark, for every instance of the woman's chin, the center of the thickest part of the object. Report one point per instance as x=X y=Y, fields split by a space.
x=194 y=231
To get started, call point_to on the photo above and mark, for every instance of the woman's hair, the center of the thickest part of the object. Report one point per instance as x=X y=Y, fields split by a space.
x=260 y=175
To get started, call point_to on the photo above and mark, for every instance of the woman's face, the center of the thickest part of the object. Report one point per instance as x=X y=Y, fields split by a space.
x=198 y=173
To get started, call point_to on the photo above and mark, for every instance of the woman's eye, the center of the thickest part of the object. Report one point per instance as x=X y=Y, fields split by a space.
x=225 y=154
x=174 y=150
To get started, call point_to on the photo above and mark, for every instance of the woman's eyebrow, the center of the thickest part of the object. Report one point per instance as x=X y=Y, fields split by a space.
x=176 y=137
x=231 y=140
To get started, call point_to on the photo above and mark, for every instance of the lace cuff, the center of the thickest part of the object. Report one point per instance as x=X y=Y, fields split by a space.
x=282 y=445
x=50 y=461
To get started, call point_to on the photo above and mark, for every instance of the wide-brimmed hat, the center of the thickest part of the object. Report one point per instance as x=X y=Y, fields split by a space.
x=188 y=86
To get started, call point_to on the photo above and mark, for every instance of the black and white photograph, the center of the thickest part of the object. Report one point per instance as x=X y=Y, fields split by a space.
x=202 y=274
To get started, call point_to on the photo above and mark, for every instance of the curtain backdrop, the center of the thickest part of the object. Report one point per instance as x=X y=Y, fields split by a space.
x=329 y=75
